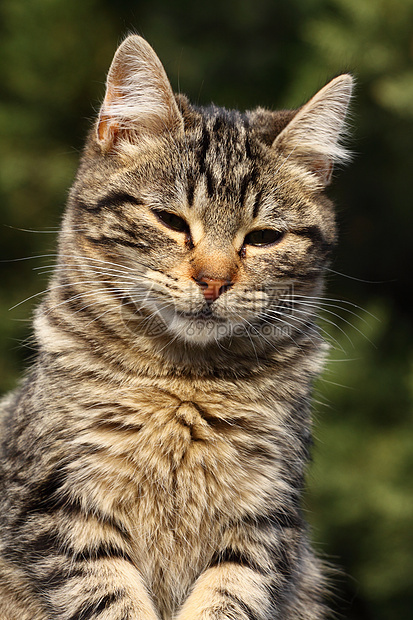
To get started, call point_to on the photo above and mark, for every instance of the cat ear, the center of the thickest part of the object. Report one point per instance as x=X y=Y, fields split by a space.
x=312 y=136
x=139 y=99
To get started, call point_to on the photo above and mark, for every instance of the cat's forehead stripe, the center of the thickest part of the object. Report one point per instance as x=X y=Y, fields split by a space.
x=204 y=146
x=113 y=200
x=257 y=203
x=117 y=199
x=190 y=190
x=222 y=158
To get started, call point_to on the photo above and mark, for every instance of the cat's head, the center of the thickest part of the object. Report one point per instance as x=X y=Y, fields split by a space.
x=204 y=224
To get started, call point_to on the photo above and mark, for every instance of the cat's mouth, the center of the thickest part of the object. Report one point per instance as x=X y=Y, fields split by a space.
x=196 y=325
x=205 y=314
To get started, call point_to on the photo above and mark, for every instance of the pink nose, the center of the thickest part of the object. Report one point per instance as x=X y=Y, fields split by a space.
x=212 y=289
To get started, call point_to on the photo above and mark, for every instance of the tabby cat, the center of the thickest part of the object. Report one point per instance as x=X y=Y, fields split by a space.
x=152 y=461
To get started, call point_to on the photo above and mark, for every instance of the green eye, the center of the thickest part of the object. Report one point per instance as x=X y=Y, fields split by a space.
x=265 y=236
x=172 y=221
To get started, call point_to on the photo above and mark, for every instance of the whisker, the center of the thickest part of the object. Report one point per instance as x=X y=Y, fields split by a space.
x=51 y=230
x=323 y=318
x=250 y=339
x=98 y=272
x=74 y=297
x=79 y=266
x=320 y=309
x=344 y=275
x=303 y=322
x=337 y=301
x=327 y=321
x=68 y=284
x=340 y=385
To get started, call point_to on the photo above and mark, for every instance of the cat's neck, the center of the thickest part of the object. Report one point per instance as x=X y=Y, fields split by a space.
x=161 y=357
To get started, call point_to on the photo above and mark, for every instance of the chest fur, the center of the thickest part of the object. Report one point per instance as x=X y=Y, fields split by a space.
x=161 y=453
x=175 y=469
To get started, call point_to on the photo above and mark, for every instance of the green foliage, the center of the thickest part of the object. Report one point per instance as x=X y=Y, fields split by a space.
x=359 y=498
x=240 y=53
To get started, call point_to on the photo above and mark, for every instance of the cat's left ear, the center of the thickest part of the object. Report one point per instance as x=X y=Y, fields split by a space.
x=312 y=136
x=139 y=101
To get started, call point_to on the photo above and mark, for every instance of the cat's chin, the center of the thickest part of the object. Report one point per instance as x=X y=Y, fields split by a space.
x=206 y=327
x=200 y=329
x=204 y=330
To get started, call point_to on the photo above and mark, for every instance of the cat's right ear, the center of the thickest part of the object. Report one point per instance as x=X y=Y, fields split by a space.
x=312 y=137
x=139 y=101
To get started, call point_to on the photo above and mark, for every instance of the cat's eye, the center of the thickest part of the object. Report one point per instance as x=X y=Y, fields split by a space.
x=263 y=236
x=172 y=221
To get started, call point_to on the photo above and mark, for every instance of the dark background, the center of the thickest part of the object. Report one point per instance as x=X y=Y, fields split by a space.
x=54 y=55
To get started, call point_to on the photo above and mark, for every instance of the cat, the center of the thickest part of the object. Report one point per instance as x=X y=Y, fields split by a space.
x=153 y=459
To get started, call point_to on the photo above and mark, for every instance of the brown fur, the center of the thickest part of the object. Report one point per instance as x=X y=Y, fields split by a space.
x=153 y=459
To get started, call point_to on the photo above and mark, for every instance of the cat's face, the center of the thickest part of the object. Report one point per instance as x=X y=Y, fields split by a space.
x=207 y=225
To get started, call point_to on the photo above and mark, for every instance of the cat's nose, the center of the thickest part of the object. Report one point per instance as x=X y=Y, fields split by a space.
x=212 y=289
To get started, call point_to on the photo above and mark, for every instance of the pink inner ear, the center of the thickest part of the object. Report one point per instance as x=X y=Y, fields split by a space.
x=139 y=97
x=108 y=128
x=323 y=167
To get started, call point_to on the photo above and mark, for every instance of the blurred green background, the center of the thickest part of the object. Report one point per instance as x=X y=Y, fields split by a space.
x=54 y=55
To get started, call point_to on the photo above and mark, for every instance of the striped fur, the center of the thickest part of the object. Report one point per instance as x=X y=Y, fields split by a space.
x=153 y=460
